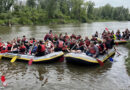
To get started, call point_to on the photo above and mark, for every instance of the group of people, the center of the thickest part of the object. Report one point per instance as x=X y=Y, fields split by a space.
x=73 y=43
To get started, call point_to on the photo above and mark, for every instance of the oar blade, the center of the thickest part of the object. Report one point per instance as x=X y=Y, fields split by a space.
x=0 y=57
x=61 y=59
x=100 y=62
x=13 y=59
x=30 y=62
x=111 y=59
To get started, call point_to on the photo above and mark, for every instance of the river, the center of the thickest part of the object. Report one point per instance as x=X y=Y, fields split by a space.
x=62 y=76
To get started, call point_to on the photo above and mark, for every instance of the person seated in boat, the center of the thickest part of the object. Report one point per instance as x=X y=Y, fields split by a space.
x=72 y=44
x=127 y=34
x=123 y=35
x=46 y=37
x=27 y=45
x=34 y=48
x=65 y=48
x=14 y=48
x=22 y=49
x=9 y=45
x=81 y=45
x=50 y=35
x=73 y=36
x=18 y=40
x=55 y=39
x=78 y=37
x=76 y=48
x=61 y=37
x=87 y=41
x=59 y=45
x=92 y=50
x=66 y=36
x=96 y=34
x=32 y=41
x=94 y=39
x=49 y=46
x=41 y=49
x=24 y=39
x=109 y=42
x=101 y=48
x=118 y=35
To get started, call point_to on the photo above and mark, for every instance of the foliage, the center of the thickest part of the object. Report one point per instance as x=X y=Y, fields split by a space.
x=58 y=11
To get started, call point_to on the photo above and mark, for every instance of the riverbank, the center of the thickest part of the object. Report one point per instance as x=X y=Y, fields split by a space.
x=17 y=21
x=128 y=59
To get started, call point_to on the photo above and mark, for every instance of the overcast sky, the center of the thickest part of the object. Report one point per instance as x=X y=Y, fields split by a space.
x=125 y=3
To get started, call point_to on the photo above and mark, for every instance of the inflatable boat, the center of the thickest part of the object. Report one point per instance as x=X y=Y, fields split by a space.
x=82 y=58
x=120 y=41
x=52 y=57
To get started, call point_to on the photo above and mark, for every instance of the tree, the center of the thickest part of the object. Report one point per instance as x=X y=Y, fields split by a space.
x=90 y=10
x=5 y=5
x=31 y=3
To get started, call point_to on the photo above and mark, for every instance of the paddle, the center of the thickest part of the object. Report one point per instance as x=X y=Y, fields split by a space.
x=74 y=45
x=106 y=29
x=100 y=62
x=0 y=57
x=110 y=58
x=31 y=60
x=4 y=83
x=13 y=59
x=116 y=51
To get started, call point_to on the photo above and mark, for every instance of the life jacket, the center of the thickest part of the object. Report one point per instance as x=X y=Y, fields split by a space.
x=46 y=37
x=87 y=42
x=18 y=40
x=42 y=48
x=81 y=43
x=94 y=39
x=51 y=35
x=114 y=37
x=1 y=46
x=23 y=47
x=24 y=39
x=9 y=47
x=31 y=41
x=60 y=44
x=100 y=48
x=78 y=37
x=64 y=48
x=73 y=36
x=92 y=50
x=66 y=37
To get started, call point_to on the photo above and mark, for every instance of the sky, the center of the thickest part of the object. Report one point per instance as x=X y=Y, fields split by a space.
x=115 y=3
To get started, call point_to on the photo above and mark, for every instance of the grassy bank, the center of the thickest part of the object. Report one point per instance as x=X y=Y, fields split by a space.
x=128 y=59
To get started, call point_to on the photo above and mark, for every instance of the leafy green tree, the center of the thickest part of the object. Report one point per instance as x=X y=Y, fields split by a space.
x=5 y=5
x=31 y=3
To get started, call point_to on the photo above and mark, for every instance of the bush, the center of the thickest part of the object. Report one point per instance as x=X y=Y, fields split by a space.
x=2 y=22
x=24 y=21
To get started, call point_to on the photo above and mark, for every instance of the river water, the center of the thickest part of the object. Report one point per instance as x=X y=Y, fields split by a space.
x=62 y=76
